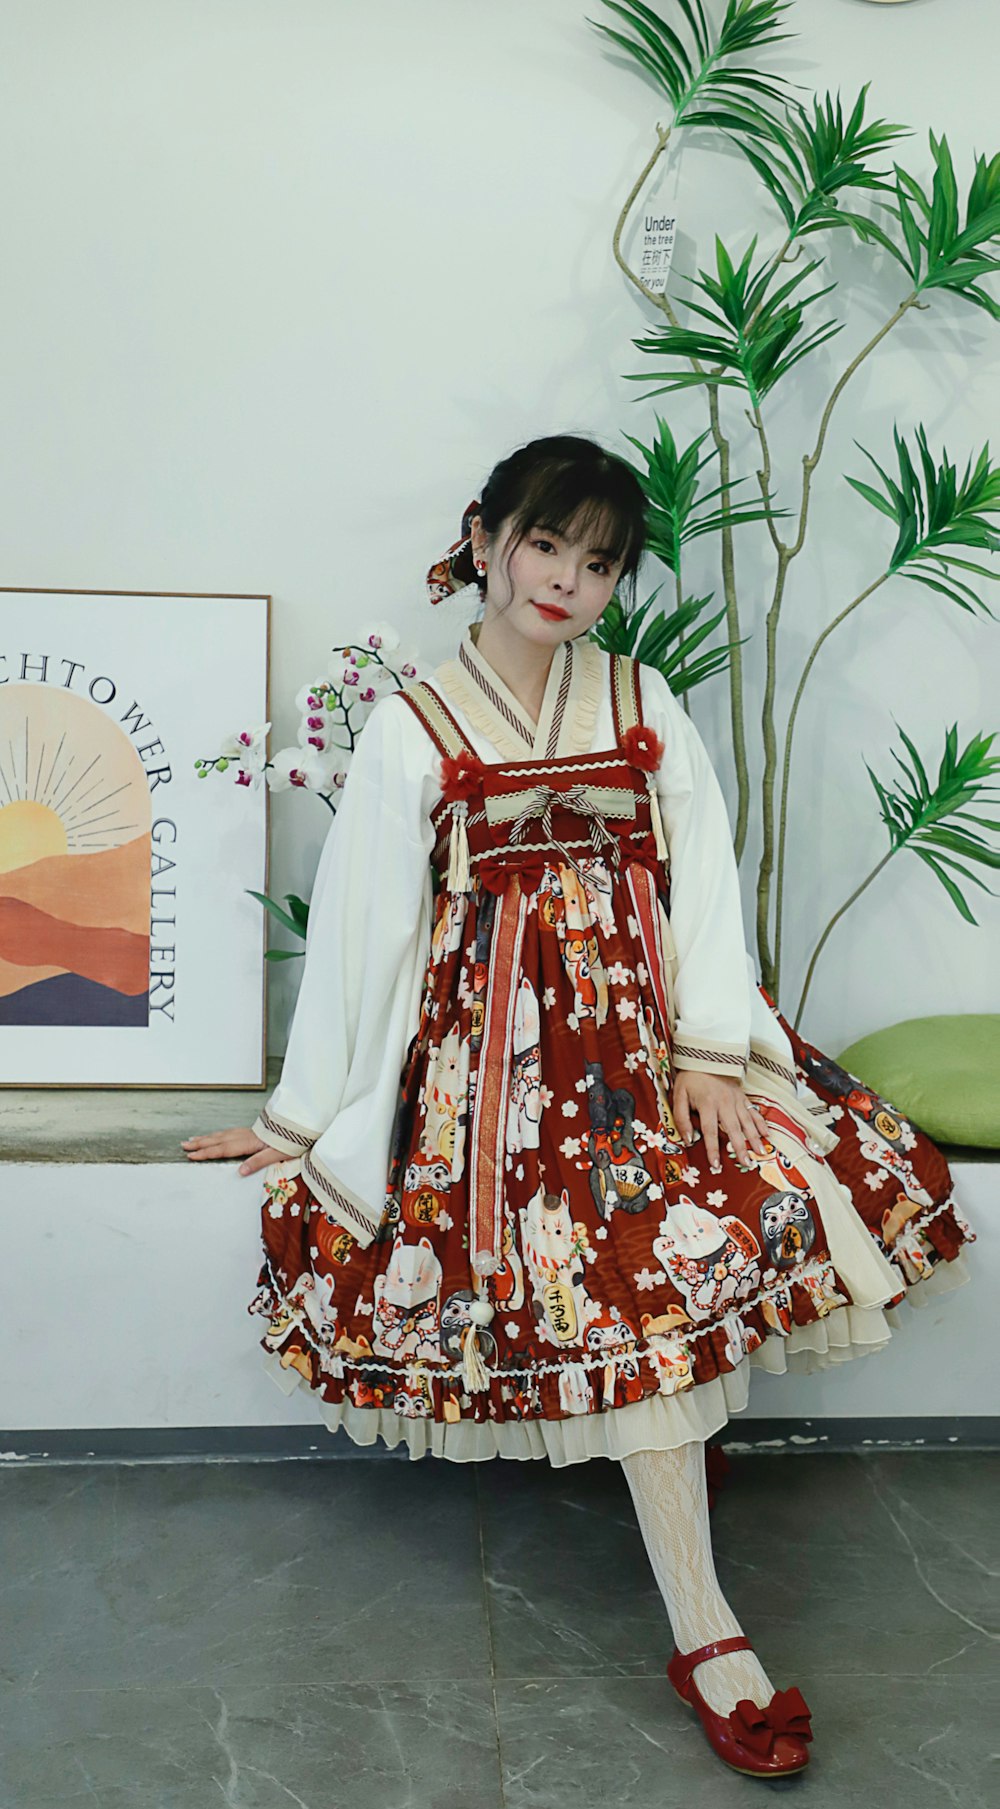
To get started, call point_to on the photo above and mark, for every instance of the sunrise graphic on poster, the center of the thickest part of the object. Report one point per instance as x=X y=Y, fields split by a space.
x=75 y=847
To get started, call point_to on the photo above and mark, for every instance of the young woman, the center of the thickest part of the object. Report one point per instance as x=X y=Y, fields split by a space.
x=545 y=1171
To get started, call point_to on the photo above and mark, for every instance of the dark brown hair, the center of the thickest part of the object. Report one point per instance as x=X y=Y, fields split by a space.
x=572 y=486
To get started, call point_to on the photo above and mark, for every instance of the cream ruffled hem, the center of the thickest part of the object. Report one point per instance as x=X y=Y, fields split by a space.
x=660 y=1422
x=943 y=1278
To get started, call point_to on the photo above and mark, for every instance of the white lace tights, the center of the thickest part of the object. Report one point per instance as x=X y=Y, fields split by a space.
x=671 y=1503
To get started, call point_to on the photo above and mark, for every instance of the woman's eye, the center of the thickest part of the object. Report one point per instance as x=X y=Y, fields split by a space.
x=601 y=563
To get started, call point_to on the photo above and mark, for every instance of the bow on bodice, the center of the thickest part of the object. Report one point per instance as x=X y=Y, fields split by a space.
x=464 y=777
x=539 y=804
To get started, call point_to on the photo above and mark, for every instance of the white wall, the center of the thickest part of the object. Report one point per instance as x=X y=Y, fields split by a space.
x=281 y=282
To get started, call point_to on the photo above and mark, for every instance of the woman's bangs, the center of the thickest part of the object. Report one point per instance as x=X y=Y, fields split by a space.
x=598 y=522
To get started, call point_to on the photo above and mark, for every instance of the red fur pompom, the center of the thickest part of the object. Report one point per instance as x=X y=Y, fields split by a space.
x=643 y=748
x=462 y=775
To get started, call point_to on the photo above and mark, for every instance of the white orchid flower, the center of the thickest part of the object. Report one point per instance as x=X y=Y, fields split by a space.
x=247 y=750
x=303 y=767
x=357 y=664
x=284 y=769
x=382 y=636
x=248 y=746
x=302 y=698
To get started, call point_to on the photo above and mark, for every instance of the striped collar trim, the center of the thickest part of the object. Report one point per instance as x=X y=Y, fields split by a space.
x=538 y=739
x=573 y=689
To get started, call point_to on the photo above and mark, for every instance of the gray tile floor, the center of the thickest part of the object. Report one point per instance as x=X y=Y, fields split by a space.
x=367 y=1634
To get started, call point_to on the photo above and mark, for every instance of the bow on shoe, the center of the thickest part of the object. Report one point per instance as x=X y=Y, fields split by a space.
x=757 y=1728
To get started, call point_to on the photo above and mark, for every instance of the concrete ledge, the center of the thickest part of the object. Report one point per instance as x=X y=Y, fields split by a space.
x=120 y=1124
x=271 y=1444
x=148 y=1124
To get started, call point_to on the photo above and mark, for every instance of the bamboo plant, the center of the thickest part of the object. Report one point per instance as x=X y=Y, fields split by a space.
x=749 y=324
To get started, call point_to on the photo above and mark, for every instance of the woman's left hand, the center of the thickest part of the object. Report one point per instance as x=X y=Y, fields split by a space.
x=722 y=1106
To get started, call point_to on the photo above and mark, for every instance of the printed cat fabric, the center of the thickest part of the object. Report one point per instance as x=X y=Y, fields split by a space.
x=626 y=1269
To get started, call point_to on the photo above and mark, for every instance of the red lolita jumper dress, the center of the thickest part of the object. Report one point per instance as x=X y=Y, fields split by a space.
x=555 y=1274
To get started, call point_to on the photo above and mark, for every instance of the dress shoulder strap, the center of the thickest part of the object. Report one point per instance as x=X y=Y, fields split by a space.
x=437 y=719
x=626 y=693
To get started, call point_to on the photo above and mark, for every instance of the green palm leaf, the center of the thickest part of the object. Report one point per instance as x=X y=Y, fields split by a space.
x=938 y=515
x=666 y=641
x=758 y=332
x=808 y=160
x=679 y=507
x=276 y=911
x=692 y=67
x=939 y=250
x=296 y=919
x=932 y=820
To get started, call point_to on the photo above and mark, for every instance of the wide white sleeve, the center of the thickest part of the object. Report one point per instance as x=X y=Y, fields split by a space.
x=770 y=1048
x=711 y=990
x=367 y=940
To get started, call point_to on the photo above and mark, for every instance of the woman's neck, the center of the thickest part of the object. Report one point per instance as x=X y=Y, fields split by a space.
x=523 y=667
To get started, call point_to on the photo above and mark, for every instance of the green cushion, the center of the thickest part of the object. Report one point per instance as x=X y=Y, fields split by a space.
x=942 y=1072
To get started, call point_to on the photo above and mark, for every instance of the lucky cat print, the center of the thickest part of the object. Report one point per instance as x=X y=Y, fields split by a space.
x=488 y=1235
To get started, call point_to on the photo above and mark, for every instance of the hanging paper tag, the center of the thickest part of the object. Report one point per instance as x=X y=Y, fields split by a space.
x=658 y=223
x=659 y=231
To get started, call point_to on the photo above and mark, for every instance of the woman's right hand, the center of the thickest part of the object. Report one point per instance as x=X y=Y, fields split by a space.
x=238 y=1141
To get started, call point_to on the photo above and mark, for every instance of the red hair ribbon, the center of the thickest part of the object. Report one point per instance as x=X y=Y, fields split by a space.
x=456 y=568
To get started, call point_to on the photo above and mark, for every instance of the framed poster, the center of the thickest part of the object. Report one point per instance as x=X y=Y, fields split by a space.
x=130 y=951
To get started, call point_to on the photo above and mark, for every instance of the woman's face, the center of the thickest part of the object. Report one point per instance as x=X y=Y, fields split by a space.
x=561 y=587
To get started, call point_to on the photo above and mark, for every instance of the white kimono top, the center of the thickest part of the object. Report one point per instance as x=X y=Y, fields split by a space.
x=370 y=915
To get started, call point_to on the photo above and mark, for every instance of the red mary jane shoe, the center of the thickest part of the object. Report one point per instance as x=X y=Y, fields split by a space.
x=766 y=1742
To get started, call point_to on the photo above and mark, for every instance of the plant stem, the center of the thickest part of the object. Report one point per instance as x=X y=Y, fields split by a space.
x=662 y=302
x=811 y=459
x=776 y=262
x=736 y=709
x=662 y=140
x=679 y=598
x=767 y=784
x=764 y=478
x=787 y=763
x=835 y=919
x=770 y=973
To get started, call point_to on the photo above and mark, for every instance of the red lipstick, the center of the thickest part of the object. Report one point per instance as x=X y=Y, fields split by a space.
x=552 y=612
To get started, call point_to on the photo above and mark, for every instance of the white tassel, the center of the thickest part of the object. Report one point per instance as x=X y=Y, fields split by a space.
x=474 y=1375
x=458 y=851
x=654 y=811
